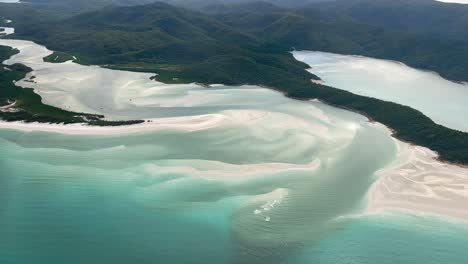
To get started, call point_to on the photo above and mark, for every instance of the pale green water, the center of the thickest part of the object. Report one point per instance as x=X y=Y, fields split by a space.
x=122 y=199
x=388 y=240
x=119 y=199
x=441 y=100
x=244 y=191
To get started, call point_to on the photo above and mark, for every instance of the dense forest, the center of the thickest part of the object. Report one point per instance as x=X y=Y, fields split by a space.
x=159 y=34
x=250 y=44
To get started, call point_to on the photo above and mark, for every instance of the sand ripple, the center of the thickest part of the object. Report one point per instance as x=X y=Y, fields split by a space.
x=418 y=183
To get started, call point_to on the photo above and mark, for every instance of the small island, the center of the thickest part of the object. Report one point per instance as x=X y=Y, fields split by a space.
x=59 y=57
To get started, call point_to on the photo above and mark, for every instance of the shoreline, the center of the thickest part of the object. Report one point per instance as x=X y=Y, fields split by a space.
x=433 y=72
x=415 y=182
x=394 y=133
x=418 y=183
x=398 y=187
x=185 y=123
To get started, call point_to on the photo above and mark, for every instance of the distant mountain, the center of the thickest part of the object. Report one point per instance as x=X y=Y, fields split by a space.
x=191 y=4
x=388 y=29
x=159 y=38
x=207 y=5
x=199 y=4
x=161 y=34
x=94 y=2
x=417 y=16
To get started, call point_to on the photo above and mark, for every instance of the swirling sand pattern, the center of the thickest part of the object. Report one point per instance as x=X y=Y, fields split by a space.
x=220 y=175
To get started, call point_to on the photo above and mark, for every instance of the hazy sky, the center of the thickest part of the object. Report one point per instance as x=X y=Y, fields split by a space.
x=454 y=1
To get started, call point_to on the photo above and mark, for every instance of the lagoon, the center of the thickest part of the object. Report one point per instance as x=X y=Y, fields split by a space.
x=441 y=100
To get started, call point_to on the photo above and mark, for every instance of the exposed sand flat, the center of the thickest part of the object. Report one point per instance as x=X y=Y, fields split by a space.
x=190 y=123
x=187 y=123
x=7 y=30
x=231 y=172
x=318 y=81
x=417 y=183
x=8 y=106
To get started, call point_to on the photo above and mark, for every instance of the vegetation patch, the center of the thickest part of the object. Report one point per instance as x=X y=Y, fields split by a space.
x=59 y=57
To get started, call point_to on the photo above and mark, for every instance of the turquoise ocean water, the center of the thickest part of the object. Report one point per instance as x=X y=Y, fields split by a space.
x=277 y=181
x=112 y=199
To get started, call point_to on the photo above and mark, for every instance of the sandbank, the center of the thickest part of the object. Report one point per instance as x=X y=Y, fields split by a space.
x=186 y=123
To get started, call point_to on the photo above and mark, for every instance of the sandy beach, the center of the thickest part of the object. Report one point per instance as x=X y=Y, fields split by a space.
x=189 y=123
x=7 y=31
x=417 y=183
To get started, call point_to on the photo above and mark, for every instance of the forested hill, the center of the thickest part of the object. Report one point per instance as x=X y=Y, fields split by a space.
x=95 y=3
x=158 y=33
x=190 y=4
x=159 y=37
x=336 y=27
x=202 y=4
x=418 y=16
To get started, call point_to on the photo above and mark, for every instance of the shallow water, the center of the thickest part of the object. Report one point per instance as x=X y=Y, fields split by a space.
x=441 y=100
x=278 y=181
x=388 y=240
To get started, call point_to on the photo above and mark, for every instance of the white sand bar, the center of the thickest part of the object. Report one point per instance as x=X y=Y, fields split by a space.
x=7 y=31
x=418 y=183
x=188 y=123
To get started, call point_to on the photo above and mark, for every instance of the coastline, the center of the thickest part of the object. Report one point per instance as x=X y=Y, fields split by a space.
x=433 y=72
x=406 y=136
x=28 y=105
x=416 y=182
x=186 y=123
x=403 y=186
